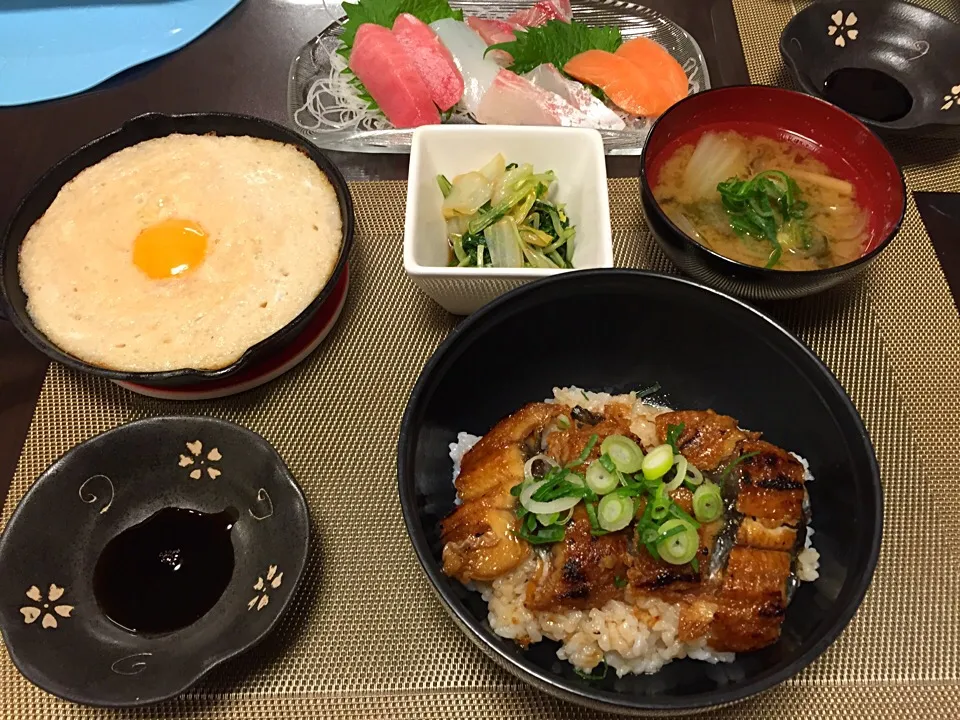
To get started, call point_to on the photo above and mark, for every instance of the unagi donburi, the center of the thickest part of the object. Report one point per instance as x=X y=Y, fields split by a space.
x=630 y=533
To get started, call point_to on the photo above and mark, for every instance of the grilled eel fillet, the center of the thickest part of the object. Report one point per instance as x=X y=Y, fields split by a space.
x=478 y=539
x=737 y=599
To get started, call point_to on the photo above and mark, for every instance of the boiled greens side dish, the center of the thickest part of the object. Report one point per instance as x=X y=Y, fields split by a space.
x=500 y=216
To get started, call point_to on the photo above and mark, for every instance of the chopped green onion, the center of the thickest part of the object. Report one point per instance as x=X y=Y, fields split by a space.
x=681 y=462
x=531 y=522
x=601 y=480
x=679 y=513
x=445 y=185
x=661 y=504
x=677 y=542
x=619 y=582
x=586 y=451
x=694 y=476
x=657 y=462
x=516 y=489
x=615 y=512
x=673 y=435
x=595 y=528
x=695 y=564
x=731 y=466
x=552 y=534
x=625 y=453
x=563 y=422
x=648 y=391
x=559 y=504
x=607 y=463
x=707 y=503
x=589 y=676
x=546 y=519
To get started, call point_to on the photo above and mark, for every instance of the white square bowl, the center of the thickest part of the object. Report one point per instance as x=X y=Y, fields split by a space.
x=574 y=154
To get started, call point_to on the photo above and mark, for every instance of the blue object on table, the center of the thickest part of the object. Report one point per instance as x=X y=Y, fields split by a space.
x=55 y=48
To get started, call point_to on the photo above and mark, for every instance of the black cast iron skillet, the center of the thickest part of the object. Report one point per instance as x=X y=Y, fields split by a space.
x=623 y=330
x=13 y=301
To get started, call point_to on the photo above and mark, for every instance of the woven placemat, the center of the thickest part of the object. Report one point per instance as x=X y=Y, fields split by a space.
x=365 y=637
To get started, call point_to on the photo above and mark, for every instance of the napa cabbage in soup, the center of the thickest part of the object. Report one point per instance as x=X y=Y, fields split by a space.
x=762 y=202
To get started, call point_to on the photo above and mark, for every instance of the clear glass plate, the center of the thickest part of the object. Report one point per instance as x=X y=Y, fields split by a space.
x=308 y=100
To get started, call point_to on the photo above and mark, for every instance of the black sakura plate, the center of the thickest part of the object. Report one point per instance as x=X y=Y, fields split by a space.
x=147 y=555
x=894 y=65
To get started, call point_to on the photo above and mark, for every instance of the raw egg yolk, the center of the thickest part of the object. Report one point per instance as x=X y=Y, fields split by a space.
x=169 y=248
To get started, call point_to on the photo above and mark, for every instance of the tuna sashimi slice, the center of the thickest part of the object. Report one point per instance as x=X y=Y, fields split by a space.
x=627 y=85
x=492 y=31
x=653 y=58
x=513 y=100
x=541 y=12
x=383 y=66
x=546 y=76
x=467 y=49
x=431 y=59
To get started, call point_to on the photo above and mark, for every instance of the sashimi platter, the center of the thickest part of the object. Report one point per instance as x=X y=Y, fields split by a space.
x=383 y=67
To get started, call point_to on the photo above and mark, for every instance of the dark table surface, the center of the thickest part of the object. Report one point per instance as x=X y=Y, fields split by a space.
x=241 y=65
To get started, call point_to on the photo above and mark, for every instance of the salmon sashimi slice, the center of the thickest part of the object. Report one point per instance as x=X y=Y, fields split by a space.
x=629 y=87
x=582 y=571
x=653 y=58
x=513 y=100
x=431 y=59
x=401 y=93
x=707 y=439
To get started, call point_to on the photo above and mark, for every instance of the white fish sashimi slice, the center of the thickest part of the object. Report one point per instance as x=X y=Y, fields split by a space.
x=467 y=49
x=601 y=117
x=514 y=100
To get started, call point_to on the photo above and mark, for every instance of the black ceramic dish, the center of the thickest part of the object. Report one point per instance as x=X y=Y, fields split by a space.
x=146 y=127
x=834 y=136
x=785 y=391
x=911 y=55
x=53 y=621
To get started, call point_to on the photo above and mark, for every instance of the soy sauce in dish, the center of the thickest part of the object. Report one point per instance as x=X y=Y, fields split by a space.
x=166 y=572
x=869 y=93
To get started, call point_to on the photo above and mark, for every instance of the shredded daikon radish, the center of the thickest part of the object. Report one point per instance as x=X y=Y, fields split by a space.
x=332 y=102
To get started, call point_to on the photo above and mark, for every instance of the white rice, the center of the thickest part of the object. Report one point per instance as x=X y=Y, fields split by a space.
x=634 y=637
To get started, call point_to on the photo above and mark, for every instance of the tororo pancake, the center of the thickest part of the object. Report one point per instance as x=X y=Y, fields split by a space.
x=181 y=252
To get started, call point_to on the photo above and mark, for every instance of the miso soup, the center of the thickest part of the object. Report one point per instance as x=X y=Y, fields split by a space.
x=762 y=202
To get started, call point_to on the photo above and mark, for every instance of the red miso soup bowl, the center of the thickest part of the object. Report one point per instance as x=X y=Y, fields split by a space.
x=849 y=149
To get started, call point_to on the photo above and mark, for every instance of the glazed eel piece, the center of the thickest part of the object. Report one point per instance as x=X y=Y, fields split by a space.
x=478 y=537
x=743 y=596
